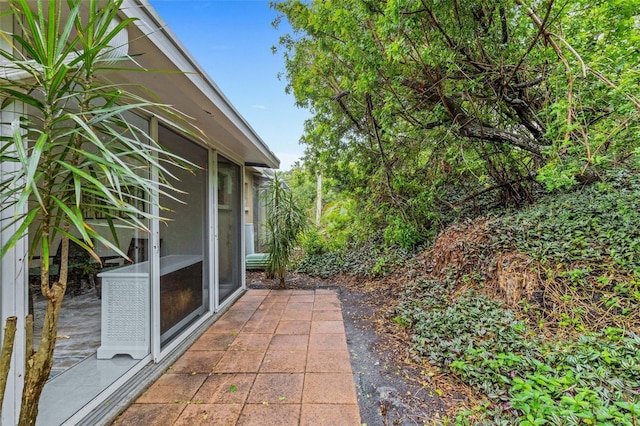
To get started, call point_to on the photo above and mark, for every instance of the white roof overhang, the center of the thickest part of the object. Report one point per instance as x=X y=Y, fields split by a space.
x=176 y=79
x=182 y=83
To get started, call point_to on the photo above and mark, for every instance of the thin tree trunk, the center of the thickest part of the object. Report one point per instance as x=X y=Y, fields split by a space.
x=5 y=356
x=40 y=363
x=319 y=199
x=29 y=336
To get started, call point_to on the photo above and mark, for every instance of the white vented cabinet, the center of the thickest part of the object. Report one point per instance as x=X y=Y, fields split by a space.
x=126 y=306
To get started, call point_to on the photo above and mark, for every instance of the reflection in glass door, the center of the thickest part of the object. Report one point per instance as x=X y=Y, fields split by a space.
x=184 y=276
x=229 y=220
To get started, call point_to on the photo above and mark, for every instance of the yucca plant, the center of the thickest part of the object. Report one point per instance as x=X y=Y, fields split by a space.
x=73 y=141
x=285 y=224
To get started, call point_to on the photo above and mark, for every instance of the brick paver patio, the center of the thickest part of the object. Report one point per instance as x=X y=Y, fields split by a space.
x=277 y=357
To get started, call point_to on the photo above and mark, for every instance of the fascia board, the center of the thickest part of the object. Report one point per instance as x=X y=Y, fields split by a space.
x=157 y=31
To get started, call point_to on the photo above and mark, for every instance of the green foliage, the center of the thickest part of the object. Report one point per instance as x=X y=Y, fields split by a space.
x=323 y=265
x=362 y=259
x=597 y=224
x=313 y=242
x=285 y=223
x=401 y=233
x=555 y=175
x=423 y=108
x=569 y=354
x=592 y=379
x=340 y=221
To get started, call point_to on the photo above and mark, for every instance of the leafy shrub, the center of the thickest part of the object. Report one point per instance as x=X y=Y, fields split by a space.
x=557 y=175
x=322 y=265
x=313 y=242
x=593 y=379
x=364 y=260
x=598 y=223
x=401 y=233
x=590 y=380
x=467 y=335
x=340 y=224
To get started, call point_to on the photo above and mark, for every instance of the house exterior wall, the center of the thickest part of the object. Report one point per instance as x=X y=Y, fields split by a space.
x=255 y=209
x=248 y=195
x=223 y=136
x=251 y=202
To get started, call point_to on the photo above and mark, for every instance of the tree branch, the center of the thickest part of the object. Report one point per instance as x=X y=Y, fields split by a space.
x=338 y=98
x=503 y=24
x=383 y=156
x=541 y=26
x=473 y=128
x=530 y=83
x=497 y=135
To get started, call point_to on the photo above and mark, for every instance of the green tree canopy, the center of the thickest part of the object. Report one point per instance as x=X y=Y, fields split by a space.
x=418 y=105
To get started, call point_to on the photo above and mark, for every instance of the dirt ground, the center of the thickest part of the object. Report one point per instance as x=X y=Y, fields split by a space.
x=391 y=389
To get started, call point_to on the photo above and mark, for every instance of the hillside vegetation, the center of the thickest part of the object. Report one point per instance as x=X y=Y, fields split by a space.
x=536 y=309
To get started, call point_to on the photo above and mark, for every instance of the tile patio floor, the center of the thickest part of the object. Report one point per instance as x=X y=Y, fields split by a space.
x=276 y=357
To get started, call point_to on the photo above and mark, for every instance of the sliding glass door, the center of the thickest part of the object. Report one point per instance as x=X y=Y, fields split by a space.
x=184 y=270
x=229 y=221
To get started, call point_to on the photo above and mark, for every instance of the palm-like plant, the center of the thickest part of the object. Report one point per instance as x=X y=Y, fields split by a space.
x=72 y=141
x=285 y=224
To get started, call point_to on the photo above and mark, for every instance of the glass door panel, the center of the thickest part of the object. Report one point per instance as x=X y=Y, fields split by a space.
x=229 y=220
x=184 y=270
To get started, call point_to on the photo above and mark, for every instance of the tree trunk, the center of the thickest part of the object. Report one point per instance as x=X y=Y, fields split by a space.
x=29 y=336
x=319 y=199
x=5 y=356
x=39 y=364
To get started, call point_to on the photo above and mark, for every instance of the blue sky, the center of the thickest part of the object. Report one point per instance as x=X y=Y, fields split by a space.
x=232 y=40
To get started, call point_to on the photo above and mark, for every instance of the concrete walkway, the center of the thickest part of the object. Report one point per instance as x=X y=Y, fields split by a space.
x=276 y=357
